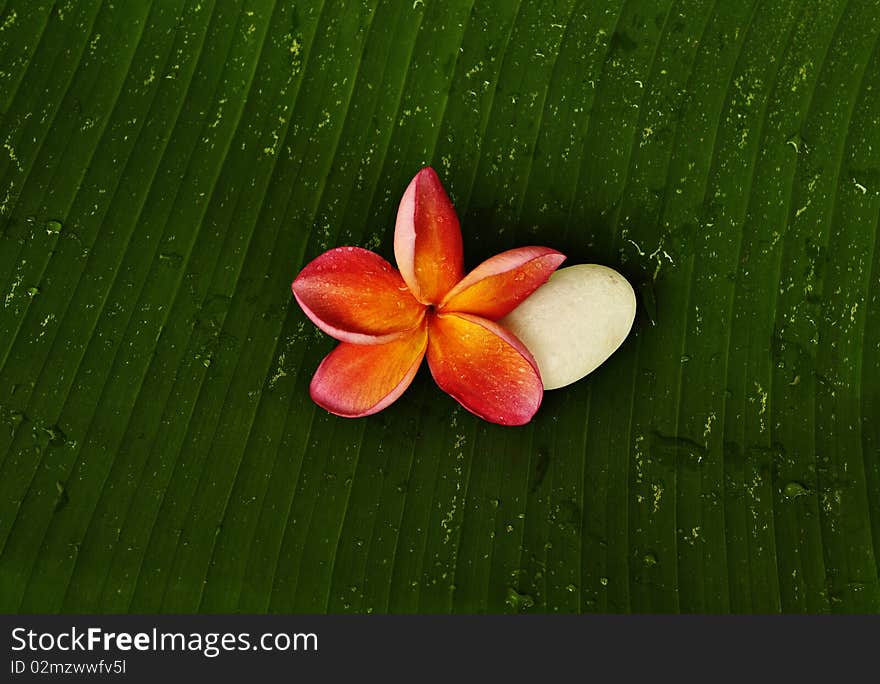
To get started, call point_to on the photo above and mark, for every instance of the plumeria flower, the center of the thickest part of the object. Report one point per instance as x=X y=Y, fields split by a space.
x=387 y=320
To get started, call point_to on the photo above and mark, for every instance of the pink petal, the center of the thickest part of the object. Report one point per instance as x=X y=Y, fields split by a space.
x=498 y=285
x=484 y=367
x=356 y=296
x=359 y=380
x=427 y=239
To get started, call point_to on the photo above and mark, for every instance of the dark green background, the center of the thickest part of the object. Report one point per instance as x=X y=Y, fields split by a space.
x=168 y=167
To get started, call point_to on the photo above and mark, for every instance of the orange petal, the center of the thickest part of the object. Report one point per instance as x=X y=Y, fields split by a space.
x=356 y=296
x=357 y=380
x=427 y=239
x=484 y=367
x=498 y=285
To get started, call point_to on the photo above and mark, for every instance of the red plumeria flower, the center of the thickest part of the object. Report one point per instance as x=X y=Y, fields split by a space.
x=387 y=321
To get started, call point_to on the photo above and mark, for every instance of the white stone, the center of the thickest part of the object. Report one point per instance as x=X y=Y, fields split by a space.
x=574 y=322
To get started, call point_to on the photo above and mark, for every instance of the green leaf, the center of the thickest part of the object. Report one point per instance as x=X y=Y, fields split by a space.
x=166 y=170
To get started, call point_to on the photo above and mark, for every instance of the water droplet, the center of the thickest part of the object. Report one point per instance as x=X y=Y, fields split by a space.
x=649 y=559
x=53 y=432
x=603 y=581
x=33 y=291
x=794 y=489
x=688 y=450
x=54 y=227
x=520 y=602
x=212 y=310
x=14 y=419
x=62 y=499
x=172 y=259
x=649 y=300
x=541 y=467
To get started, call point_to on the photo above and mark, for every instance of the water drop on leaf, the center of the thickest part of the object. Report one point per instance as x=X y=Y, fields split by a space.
x=518 y=601
x=794 y=489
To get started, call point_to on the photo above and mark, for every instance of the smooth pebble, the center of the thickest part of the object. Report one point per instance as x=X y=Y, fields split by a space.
x=574 y=322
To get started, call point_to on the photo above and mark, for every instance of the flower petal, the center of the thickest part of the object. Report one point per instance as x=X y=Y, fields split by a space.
x=498 y=285
x=356 y=296
x=427 y=239
x=357 y=380
x=484 y=367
